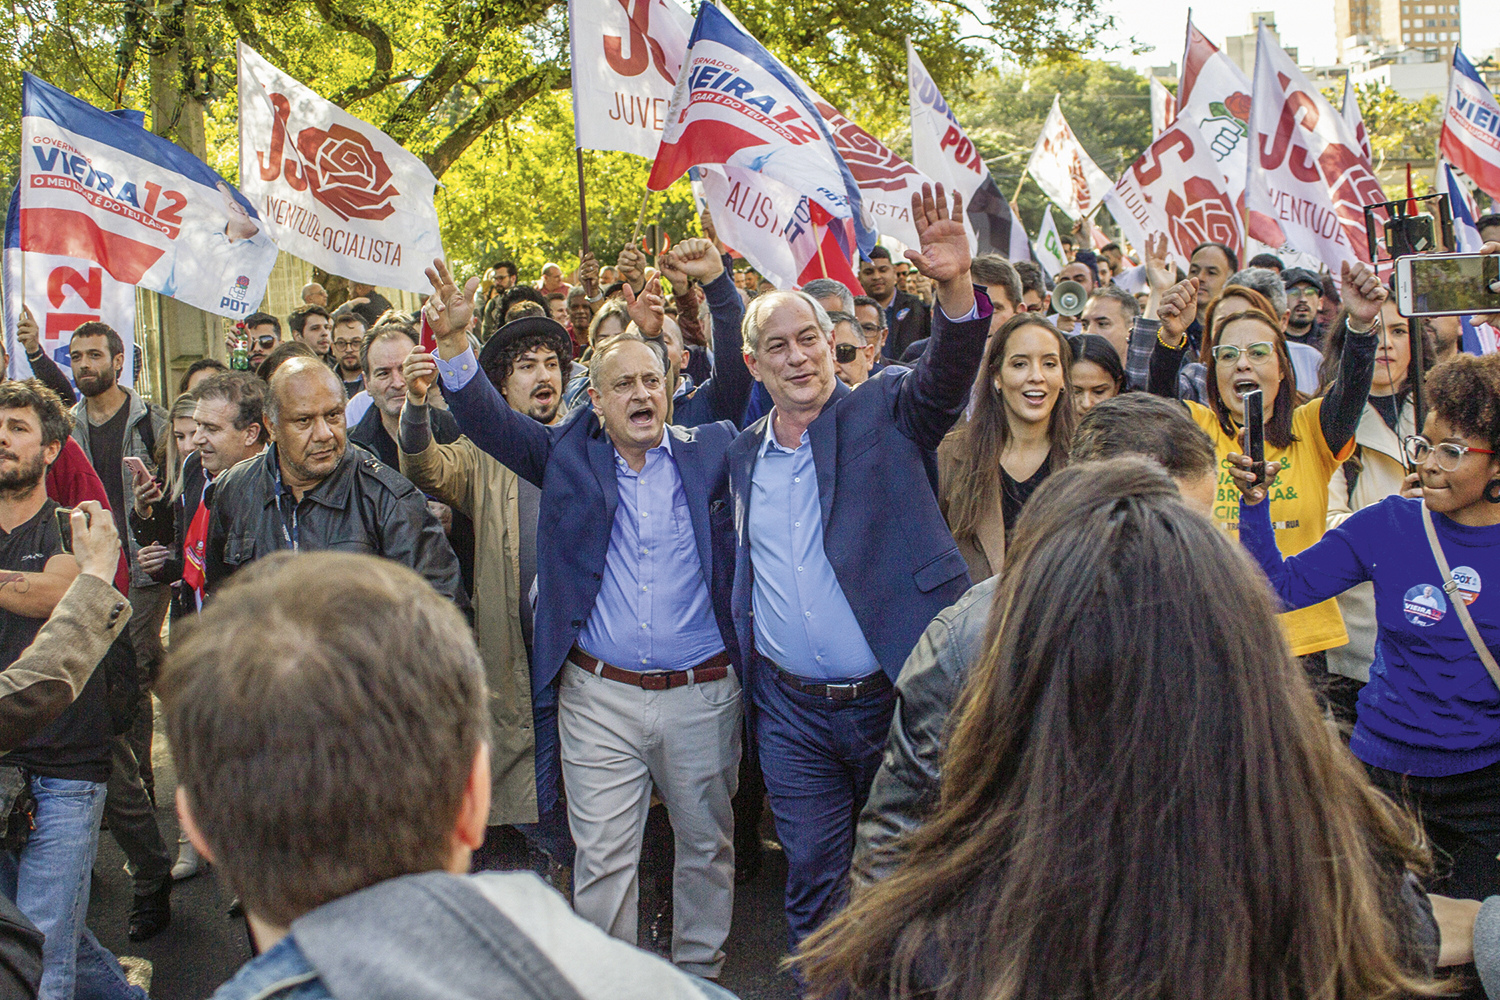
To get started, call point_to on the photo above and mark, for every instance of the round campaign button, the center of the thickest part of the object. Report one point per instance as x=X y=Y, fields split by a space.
x=1468 y=582
x=1424 y=605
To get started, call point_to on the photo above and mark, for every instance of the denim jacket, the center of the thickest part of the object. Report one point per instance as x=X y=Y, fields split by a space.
x=282 y=973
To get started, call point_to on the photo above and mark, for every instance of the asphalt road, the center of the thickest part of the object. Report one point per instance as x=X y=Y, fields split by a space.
x=204 y=946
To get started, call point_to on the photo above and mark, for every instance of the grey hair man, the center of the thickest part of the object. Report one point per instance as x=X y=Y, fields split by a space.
x=833 y=296
x=853 y=354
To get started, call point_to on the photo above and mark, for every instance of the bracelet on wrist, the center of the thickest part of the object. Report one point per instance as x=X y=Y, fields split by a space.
x=1168 y=346
x=1374 y=325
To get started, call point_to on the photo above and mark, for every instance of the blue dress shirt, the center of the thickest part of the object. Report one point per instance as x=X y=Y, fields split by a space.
x=803 y=621
x=653 y=611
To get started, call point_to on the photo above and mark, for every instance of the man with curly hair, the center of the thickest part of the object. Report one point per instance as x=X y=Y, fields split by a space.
x=527 y=361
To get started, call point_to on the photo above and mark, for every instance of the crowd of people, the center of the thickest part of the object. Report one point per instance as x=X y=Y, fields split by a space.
x=1050 y=688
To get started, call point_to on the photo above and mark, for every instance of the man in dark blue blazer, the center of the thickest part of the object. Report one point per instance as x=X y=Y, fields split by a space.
x=843 y=556
x=635 y=561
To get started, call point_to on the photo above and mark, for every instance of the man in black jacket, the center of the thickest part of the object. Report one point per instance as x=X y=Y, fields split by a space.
x=907 y=316
x=311 y=490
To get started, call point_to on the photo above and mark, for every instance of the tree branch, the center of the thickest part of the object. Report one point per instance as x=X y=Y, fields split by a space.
x=357 y=24
x=245 y=27
x=497 y=106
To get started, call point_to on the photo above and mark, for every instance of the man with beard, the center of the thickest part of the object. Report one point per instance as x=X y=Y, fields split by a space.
x=524 y=360
x=67 y=763
x=312 y=326
x=349 y=328
x=906 y=317
x=112 y=423
x=1304 y=296
x=311 y=490
x=264 y=332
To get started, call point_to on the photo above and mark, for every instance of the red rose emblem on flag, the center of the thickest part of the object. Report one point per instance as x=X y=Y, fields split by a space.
x=346 y=173
x=1204 y=215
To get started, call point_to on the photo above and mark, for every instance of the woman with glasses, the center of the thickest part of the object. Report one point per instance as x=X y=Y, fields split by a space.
x=1375 y=471
x=1429 y=720
x=1307 y=438
x=1018 y=434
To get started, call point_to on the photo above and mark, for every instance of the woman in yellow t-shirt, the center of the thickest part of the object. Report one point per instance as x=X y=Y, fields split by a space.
x=1309 y=437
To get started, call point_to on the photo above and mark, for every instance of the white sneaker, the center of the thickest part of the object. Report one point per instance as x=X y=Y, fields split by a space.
x=188 y=862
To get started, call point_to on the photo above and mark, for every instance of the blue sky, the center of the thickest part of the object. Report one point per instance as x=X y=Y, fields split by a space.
x=1308 y=26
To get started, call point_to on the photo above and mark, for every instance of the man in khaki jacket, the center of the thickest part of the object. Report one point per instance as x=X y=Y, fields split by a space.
x=527 y=361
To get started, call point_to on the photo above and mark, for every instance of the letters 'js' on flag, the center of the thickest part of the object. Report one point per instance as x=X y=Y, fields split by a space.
x=97 y=188
x=626 y=55
x=333 y=190
x=736 y=104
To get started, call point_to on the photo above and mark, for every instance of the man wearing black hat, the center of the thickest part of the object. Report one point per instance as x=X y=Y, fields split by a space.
x=526 y=360
x=1304 y=296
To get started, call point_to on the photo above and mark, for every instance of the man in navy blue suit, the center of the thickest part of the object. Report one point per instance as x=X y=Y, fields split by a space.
x=825 y=605
x=635 y=557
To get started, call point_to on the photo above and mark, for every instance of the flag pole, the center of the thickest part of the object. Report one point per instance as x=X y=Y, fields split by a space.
x=821 y=263
x=1019 y=185
x=635 y=235
x=583 y=220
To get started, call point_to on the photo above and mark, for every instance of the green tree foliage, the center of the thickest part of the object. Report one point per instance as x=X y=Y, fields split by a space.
x=1399 y=129
x=1107 y=106
x=478 y=88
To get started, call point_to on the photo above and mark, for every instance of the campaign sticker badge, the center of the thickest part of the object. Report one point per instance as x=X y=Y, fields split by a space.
x=1468 y=582
x=1424 y=605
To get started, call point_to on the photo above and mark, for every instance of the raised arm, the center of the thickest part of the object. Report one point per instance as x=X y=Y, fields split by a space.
x=444 y=471
x=43 y=367
x=513 y=439
x=932 y=396
x=1344 y=402
x=729 y=388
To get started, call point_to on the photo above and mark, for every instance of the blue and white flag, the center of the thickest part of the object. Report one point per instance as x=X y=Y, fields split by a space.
x=1465 y=235
x=1470 y=138
x=736 y=104
x=145 y=210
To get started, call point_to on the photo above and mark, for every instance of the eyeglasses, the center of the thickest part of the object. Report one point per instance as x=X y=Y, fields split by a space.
x=345 y=345
x=844 y=353
x=268 y=342
x=1448 y=453
x=1260 y=354
x=1304 y=292
x=870 y=327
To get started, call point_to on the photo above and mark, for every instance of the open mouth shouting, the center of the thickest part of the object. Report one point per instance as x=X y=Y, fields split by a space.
x=1244 y=385
x=642 y=416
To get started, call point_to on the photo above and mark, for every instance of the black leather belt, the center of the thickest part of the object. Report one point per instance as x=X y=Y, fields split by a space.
x=859 y=687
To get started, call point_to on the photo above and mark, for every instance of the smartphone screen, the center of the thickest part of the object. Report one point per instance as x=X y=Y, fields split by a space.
x=65 y=527
x=1452 y=285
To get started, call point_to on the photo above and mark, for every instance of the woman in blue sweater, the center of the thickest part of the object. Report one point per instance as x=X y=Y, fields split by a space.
x=1428 y=730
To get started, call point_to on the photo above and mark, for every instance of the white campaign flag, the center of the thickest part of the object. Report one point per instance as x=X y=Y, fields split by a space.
x=1308 y=181
x=1063 y=170
x=1176 y=188
x=1350 y=111
x=1214 y=95
x=1163 y=107
x=1048 y=246
x=626 y=54
x=332 y=189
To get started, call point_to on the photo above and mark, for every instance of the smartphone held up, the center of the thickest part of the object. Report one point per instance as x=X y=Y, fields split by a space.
x=1255 y=434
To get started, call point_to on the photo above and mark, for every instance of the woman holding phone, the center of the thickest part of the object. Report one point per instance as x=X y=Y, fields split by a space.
x=1017 y=436
x=1307 y=438
x=1428 y=730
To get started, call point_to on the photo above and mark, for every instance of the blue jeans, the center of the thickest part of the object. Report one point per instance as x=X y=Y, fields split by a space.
x=819 y=758
x=49 y=882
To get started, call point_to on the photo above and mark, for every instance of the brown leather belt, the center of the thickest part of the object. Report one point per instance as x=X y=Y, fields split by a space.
x=715 y=668
x=846 y=691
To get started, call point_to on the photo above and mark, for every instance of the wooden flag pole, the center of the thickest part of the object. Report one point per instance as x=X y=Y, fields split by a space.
x=583 y=222
x=1019 y=185
x=635 y=235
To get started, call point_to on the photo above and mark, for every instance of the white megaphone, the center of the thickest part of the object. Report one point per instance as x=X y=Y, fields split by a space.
x=1068 y=298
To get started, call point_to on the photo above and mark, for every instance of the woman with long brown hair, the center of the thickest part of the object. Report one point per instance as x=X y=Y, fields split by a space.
x=1018 y=434
x=1139 y=796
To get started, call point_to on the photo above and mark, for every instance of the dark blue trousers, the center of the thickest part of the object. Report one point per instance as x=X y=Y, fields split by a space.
x=819 y=757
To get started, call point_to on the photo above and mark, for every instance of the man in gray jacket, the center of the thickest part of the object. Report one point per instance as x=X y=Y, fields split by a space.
x=367 y=701
x=906 y=787
x=112 y=424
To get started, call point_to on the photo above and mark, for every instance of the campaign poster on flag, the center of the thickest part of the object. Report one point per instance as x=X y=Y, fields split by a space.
x=1471 y=127
x=1048 y=246
x=626 y=55
x=1308 y=181
x=1163 y=107
x=943 y=151
x=62 y=294
x=332 y=189
x=1063 y=169
x=736 y=104
x=1214 y=95
x=94 y=187
x=1175 y=188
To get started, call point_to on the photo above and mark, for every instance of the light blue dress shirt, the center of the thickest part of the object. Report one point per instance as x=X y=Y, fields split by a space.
x=653 y=611
x=803 y=621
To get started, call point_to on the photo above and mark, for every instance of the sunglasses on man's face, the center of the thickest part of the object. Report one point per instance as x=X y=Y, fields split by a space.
x=266 y=343
x=845 y=353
